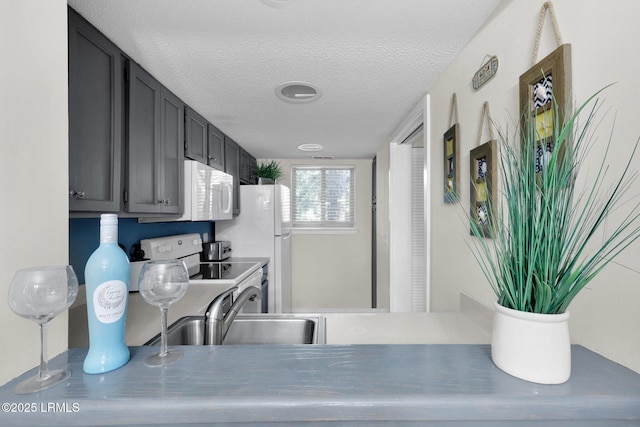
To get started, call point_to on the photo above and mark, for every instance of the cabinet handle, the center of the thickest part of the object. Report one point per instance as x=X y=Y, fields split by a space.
x=167 y=202
x=76 y=194
x=160 y=202
x=164 y=202
x=212 y=158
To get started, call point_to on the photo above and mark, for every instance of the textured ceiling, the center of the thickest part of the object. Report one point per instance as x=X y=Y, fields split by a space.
x=373 y=60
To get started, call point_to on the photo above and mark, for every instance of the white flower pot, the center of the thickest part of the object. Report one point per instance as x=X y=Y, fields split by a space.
x=531 y=346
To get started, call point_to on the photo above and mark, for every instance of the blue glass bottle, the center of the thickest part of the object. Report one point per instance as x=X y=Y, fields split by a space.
x=107 y=284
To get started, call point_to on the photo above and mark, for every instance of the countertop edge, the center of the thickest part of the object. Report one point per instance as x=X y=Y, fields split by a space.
x=334 y=387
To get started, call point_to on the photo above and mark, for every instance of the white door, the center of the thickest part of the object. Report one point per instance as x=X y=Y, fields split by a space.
x=403 y=257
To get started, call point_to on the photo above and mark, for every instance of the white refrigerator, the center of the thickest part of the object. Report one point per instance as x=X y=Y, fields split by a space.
x=263 y=229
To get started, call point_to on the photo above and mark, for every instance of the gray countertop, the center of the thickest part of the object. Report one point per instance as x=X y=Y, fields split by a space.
x=311 y=385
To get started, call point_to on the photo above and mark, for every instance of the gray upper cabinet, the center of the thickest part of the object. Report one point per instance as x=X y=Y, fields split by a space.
x=95 y=119
x=253 y=166
x=129 y=135
x=155 y=134
x=215 y=151
x=203 y=141
x=232 y=167
x=248 y=165
x=196 y=133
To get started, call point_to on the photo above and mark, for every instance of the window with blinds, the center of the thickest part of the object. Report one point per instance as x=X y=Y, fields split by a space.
x=323 y=196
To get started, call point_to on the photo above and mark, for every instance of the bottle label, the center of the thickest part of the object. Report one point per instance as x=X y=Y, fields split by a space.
x=110 y=301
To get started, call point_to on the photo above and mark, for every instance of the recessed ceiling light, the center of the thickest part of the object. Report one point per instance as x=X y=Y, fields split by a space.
x=278 y=4
x=298 y=92
x=310 y=147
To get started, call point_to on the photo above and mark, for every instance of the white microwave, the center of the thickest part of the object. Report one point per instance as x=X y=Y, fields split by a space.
x=208 y=195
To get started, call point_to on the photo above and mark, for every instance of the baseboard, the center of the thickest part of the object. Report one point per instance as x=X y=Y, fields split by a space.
x=478 y=312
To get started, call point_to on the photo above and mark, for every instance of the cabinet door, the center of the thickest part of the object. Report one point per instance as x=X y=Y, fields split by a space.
x=232 y=167
x=172 y=150
x=245 y=167
x=253 y=165
x=143 y=141
x=248 y=165
x=215 y=152
x=95 y=119
x=196 y=131
x=154 y=146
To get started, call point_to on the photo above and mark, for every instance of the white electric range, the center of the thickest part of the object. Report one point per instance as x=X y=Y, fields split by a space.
x=187 y=247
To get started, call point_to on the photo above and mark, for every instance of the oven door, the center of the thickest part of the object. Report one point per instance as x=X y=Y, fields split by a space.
x=255 y=279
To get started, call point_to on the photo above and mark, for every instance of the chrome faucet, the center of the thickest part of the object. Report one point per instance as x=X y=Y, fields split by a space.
x=216 y=323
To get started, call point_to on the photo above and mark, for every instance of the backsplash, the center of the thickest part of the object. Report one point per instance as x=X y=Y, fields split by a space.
x=84 y=236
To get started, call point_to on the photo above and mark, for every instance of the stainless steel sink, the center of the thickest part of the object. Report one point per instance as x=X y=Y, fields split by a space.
x=250 y=329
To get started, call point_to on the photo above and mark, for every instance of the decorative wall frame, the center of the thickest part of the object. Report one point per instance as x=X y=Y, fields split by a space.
x=544 y=92
x=450 y=166
x=483 y=172
x=487 y=71
x=451 y=148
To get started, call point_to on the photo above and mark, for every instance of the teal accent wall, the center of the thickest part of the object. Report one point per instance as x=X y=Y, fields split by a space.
x=84 y=236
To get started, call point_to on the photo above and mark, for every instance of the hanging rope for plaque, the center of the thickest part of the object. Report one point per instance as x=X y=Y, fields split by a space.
x=486 y=113
x=547 y=6
x=454 y=109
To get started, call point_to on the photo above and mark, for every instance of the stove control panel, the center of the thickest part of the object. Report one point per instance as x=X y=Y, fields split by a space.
x=171 y=247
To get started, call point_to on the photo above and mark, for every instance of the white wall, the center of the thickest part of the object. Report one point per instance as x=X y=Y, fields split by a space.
x=605 y=317
x=333 y=271
x=33 y=165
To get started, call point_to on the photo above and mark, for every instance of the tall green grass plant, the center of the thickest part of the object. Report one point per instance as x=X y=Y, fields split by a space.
x=546 y=238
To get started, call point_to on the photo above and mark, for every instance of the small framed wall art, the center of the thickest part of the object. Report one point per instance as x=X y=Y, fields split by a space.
x=451 y=173
x=483 y=170
x=544 y=92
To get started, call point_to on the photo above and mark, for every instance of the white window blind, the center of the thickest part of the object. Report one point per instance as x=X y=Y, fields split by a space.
x=323 y=196
x=418 y=264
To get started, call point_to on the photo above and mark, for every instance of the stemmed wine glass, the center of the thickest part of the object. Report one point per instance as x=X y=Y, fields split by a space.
x=40 y=294
x=161 y=284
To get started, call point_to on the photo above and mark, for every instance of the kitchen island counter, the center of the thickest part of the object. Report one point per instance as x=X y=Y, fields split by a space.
x=343 y=384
